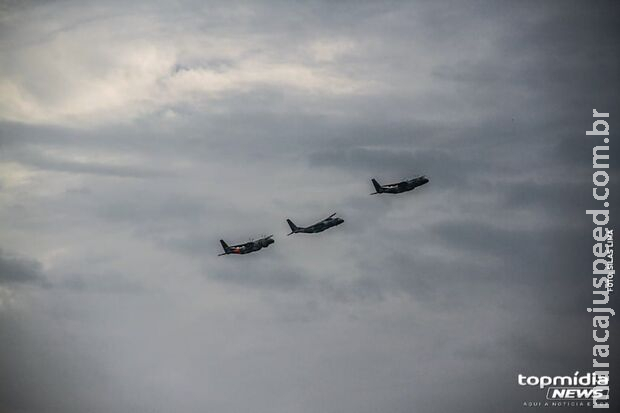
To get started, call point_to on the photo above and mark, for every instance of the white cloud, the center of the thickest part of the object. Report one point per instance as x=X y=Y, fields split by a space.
x=116 y=69
x=328 y=50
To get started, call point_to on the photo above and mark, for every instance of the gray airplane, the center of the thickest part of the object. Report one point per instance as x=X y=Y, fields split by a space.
x=400 y=186
x=248 y=247
x=320 y=226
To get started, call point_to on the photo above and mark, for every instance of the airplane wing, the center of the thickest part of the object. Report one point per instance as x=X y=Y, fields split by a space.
x=332 y=215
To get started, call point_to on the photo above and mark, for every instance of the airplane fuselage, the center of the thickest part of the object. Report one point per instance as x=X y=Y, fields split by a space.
x=321 y=226
x=402 y=186
x=245 y=248
x=248 y=247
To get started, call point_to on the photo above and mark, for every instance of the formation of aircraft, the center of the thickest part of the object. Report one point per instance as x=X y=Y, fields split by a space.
x=330 y=221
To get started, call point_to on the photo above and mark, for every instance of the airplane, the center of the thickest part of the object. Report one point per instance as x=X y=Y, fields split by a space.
x=248 y=247
x=320 y=226
x=399 y=187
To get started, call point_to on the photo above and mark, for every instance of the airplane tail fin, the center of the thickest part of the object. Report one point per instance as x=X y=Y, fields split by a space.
x=294 y=227
x=377 y=187
x=225 y=246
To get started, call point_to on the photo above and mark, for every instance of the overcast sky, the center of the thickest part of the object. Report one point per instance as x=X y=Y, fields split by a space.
x=134 y=137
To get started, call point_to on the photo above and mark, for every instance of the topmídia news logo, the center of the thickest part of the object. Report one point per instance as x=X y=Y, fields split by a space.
x=577 y=390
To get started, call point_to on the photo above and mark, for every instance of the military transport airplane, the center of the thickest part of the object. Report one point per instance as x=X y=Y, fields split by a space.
x=320 y=226
x=248 y=247
x=400 y=186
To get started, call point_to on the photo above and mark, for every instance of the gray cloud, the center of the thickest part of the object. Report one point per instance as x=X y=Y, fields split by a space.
x=133 y=138
x=16 y=269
